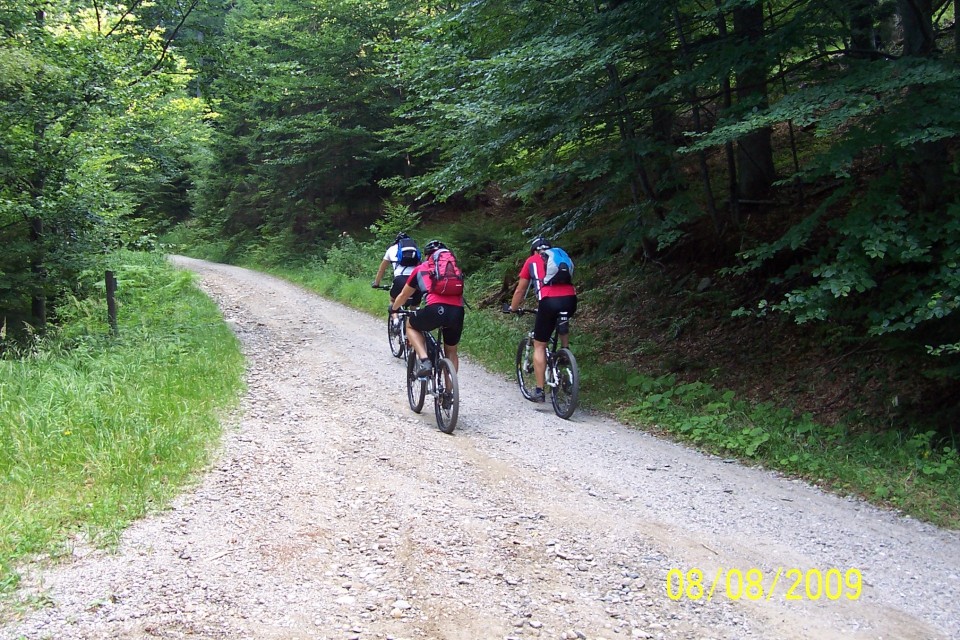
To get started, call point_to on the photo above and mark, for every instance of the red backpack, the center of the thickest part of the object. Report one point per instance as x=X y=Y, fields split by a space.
x=446 y=278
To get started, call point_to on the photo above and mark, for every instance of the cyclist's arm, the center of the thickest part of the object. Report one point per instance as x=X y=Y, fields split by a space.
x=519 y=293
x=403 y=296
x=383 y=268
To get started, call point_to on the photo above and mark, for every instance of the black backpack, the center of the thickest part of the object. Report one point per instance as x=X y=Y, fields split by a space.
x=408 y=253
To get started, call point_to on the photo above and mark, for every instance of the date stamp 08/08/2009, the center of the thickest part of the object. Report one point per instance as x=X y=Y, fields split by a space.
x=755 y=584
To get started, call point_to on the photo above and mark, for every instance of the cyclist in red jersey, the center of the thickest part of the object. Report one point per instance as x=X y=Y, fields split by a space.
x=553 y=301
x=440 y=311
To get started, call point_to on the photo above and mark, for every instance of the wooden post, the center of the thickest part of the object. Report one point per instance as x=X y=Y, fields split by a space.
x=111 y=282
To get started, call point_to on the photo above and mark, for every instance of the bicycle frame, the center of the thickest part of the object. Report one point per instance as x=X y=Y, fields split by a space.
x=396 y=332
x=561 y=375
x=442 y=384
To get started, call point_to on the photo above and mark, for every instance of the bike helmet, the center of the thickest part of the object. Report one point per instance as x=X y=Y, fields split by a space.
x=401 y=236
x=432 y=248
x=539 y=243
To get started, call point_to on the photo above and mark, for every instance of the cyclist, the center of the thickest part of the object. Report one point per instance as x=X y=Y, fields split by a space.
x=444 y=311
x=553 y=301
x=403 y=255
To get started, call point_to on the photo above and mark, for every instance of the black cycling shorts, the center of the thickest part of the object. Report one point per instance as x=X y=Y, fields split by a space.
x=398 y=283
x=448 y=316
x=549 y=310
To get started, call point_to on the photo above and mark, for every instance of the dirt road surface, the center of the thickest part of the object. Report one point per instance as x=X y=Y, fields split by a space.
x=333 y=511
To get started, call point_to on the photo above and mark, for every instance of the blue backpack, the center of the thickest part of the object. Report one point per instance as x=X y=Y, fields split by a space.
x=559 y=267
x=408 y=254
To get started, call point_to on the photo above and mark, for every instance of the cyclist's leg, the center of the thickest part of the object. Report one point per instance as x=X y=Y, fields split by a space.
x=414 y=301
x=540 y=362
x=452 y=330
x=542 y=330
x=568 y=308
x=397 y=287
x=425 y=319
x=451 y=352
x=416 y=340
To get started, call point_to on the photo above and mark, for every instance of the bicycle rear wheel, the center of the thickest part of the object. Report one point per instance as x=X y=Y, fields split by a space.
x=526 y=379
x=395 y=335
x=416 y=387
x=446 y=401
x=565 y=393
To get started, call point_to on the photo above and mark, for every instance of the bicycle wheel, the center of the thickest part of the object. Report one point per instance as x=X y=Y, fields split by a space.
x=525 y=377
x=416 y=387
x=446 y=401
x=395 y=335
x=565 y=393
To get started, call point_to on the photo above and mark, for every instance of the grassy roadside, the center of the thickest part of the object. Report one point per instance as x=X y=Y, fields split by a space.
x=96 y=431
x=909 y=473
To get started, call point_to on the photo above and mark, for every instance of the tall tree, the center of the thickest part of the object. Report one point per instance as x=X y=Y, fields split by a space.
x=755 y=168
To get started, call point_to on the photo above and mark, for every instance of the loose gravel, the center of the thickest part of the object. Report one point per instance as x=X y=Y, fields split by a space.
x=333 y=511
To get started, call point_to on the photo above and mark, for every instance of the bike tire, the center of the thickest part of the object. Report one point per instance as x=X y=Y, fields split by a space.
x=526 y=379
x=395 y=336
x=416 y=387
x=446 y=400
x=565 y=394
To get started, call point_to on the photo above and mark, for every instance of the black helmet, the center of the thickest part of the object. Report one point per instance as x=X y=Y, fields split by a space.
x=432 y=247
x=401 y=236
x=539 y=243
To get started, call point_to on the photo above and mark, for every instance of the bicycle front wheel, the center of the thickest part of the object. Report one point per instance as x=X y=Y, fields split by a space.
x=525 y=376
x=565 y=393
x=395 y=335
x=416 y=387
x=446 y=401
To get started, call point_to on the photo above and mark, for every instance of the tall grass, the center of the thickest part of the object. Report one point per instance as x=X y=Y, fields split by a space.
x=95 y=431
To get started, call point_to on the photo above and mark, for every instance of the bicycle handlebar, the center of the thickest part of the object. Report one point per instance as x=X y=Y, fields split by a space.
x=520 y=311
x=404 y=311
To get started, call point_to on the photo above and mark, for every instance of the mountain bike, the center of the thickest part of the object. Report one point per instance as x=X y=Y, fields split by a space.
x=396 y=331
x=562 y=377
x=441 y=384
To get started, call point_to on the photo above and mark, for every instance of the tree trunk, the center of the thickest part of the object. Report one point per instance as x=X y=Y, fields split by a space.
x=956 y=30
x=916 y=19
x=926 y=166
x=863 y=31
x=755 y=150
x=729 y=151
x=38 y=303
x=698 y=126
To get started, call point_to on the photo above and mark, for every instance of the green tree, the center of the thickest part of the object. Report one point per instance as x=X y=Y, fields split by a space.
x=86 y=93
x=300 y=97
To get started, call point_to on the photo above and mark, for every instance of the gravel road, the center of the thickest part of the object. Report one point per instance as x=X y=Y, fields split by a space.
x=333 y=511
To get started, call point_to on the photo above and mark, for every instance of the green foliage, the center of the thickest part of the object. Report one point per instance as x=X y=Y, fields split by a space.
x=96 y=431
x=96 y=137
x=353 y=259
x=397 y=217
x=882 y=265
x=300 y=98
x=481 y=245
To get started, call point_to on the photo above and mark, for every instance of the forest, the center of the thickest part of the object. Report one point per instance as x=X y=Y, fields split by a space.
x=781 y=163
